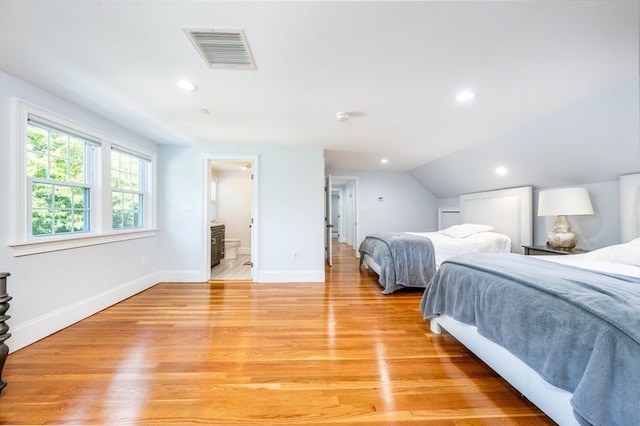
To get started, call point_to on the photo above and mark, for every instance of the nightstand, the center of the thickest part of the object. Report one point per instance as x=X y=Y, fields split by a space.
x=546 y=250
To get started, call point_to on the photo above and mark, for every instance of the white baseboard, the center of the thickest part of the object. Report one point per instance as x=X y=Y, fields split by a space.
x=290 y=277
x=244 y=250
x=38 y=328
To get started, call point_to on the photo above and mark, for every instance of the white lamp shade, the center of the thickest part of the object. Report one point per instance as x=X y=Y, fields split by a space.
x=565 y=201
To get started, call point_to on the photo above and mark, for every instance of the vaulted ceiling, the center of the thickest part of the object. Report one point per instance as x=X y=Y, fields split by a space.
x=395 y=67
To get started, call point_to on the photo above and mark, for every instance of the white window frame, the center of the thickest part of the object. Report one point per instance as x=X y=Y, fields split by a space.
x=144 y=191
x=101 y=232
x=92 y=162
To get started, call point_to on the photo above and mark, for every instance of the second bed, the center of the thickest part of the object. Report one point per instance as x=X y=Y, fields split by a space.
x=494 y=222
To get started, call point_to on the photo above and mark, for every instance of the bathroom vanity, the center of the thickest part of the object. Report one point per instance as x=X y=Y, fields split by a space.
x=217 y=243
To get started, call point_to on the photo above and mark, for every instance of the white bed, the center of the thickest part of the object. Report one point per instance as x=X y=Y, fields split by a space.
x=505 y=214
x=553 y=401
x=446 y=246
x=620 y=259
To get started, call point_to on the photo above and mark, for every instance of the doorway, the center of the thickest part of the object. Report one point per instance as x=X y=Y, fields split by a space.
x=231 y=214
x=342 y=205
x=336 y=213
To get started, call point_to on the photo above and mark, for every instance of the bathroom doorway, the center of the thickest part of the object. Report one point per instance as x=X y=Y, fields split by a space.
x=231 y=218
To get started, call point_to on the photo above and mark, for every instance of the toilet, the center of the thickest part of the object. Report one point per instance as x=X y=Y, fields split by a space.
x=231 y=248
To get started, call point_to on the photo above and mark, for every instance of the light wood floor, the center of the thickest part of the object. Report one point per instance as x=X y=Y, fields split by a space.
x=240 y=353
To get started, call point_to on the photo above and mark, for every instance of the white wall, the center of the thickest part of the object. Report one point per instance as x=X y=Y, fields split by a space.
x=406 y=205
x=349 y=212
x=53 y=290
x=234 y=205
x=445 y=203
x=289 y=218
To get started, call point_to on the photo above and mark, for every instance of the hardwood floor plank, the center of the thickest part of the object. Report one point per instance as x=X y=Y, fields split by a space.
x=233 y=352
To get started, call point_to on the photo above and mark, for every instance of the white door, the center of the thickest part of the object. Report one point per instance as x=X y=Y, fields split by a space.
x=328 y=221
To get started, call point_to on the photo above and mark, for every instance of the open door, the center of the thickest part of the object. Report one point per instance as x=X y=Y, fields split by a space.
x=328 y=220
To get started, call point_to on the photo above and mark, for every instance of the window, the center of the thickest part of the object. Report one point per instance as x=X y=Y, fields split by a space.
x=76 y=186
x=60 y=174
x=128 y=188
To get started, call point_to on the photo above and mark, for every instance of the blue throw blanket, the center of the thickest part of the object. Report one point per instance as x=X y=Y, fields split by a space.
x=405 y=260
x=580 y=330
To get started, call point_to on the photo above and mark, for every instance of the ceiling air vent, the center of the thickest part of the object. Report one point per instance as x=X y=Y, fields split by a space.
x=222 y=48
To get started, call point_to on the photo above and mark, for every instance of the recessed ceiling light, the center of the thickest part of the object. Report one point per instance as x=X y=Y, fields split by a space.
x=465 y=96
x=501 y=170
x=186 y=85
x=342 y=116
x=384 y=161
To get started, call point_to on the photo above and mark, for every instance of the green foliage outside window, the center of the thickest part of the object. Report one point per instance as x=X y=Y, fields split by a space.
x=127 y=183
x=58 y=167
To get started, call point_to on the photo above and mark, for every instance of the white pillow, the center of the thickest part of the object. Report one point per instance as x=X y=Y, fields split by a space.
x=628 y=254
x=465 y=230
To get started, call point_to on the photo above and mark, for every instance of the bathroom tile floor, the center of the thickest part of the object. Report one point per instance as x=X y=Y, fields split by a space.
x=232 y=269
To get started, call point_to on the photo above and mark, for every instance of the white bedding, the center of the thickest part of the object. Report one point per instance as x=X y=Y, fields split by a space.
x=617 y=259
x=482 y=242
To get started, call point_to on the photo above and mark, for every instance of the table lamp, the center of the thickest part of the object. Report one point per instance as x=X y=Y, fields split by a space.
x=562 y=203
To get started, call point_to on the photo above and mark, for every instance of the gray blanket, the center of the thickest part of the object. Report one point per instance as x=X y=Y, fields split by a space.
x=405 y=260
x=580 y=330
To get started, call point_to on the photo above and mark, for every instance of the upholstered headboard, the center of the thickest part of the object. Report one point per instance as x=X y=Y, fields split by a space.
x=509 y=211
x=629 y=207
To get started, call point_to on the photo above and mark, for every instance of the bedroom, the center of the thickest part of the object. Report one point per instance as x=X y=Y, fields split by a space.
x=596 y=121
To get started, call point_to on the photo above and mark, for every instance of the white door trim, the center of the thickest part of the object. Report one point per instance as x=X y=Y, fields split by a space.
x=255 y=167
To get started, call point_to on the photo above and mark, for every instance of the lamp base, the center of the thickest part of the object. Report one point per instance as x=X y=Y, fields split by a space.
x=561 y=237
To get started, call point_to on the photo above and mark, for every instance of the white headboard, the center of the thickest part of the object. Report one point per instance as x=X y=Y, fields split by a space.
x=509 y=211
x=629 y=207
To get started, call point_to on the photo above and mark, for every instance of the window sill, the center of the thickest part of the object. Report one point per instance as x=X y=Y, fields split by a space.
x=43 y=246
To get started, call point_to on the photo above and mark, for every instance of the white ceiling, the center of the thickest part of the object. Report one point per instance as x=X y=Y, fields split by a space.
x=395 y=66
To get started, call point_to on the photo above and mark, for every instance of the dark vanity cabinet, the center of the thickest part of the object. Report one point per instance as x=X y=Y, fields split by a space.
x=217 y=244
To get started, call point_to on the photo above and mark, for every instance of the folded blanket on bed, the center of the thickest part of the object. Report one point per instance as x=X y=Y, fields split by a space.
x=405 y=260
x=579 y=329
